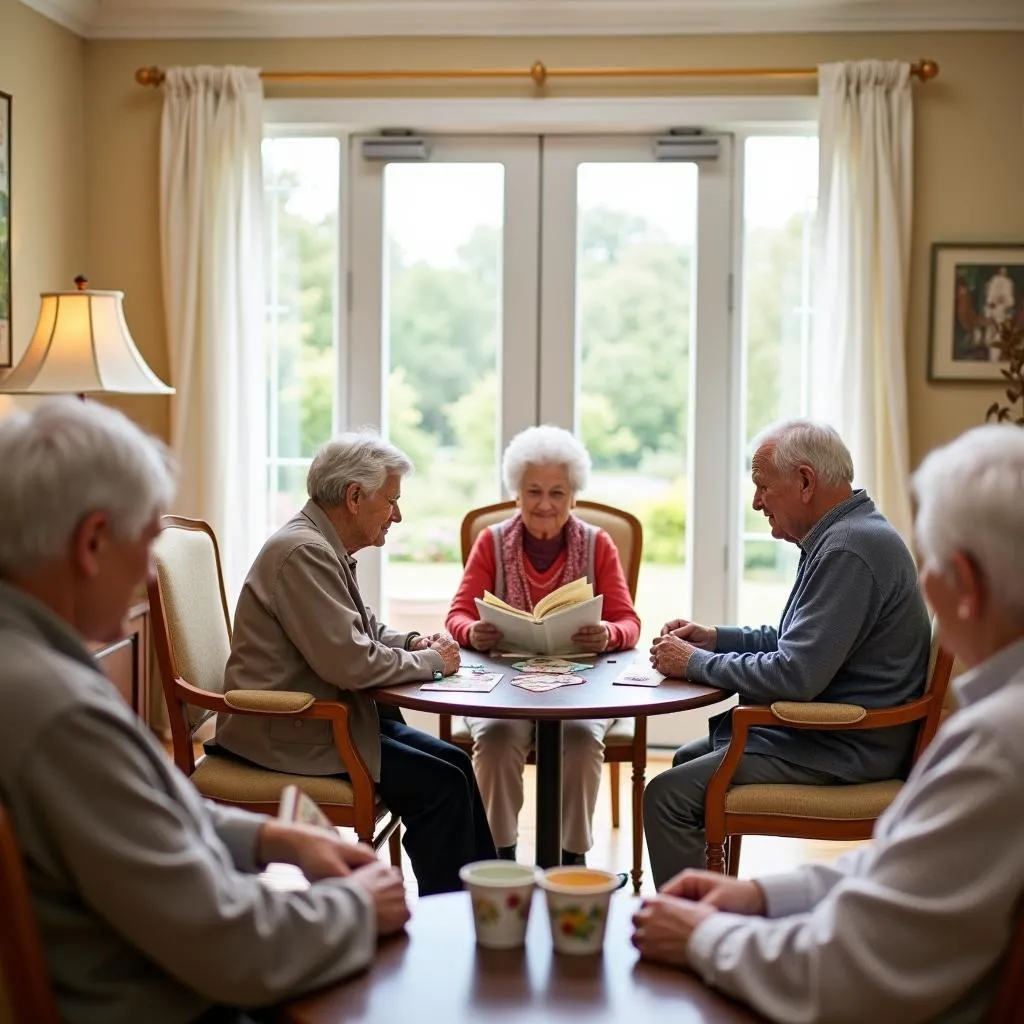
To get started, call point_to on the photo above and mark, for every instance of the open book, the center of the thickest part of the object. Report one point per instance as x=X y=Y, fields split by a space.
x=549 y=628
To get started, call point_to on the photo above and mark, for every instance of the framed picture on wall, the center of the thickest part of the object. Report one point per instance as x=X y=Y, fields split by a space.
x=5 y=230
x=975 y=289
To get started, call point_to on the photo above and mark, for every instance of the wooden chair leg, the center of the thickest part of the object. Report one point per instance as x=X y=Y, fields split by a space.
x=395 y=846
x=614 y=769
x=638 y=827
x=732 y=856
x=714 y=857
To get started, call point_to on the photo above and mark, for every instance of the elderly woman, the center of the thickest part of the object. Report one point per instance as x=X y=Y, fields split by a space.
x=915 y=926
x=301 y=624
x=541 y=548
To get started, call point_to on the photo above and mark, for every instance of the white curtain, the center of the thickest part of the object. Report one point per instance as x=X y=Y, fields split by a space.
x=859 y=371
x=211 y=240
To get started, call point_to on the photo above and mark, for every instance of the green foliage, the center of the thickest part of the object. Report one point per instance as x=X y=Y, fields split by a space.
x=1010 y=344
x=635 y=300
x=664 y=522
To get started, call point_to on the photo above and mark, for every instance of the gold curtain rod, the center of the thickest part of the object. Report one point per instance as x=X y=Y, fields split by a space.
x=539 y=73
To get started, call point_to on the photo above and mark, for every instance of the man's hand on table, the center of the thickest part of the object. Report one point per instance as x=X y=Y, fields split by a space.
x=446 y=646
x=319 y=853
x=671 y=656
x=694 y=633
x=664 y=923
x=385 y=887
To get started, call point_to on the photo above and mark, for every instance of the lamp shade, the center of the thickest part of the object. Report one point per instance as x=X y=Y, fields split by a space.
x=82 y=345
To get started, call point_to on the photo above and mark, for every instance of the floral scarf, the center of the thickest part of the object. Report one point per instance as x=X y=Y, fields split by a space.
x=517 y=587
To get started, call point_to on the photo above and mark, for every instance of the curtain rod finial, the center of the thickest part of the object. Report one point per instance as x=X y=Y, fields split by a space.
x=928 y=69
x=151 y=75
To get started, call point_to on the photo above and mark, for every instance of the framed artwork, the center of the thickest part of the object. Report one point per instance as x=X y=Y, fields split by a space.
x=975 y=289
x=5 y=230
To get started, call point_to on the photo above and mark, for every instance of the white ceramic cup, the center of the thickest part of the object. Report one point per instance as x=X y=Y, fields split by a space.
x=501 y=893
x=577 y=902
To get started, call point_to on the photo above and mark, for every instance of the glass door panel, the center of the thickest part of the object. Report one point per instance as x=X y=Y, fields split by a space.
x=448 y=311
x=780 y=197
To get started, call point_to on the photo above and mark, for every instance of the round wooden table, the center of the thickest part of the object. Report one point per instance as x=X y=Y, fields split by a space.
x=437 y=973
x=598 y=697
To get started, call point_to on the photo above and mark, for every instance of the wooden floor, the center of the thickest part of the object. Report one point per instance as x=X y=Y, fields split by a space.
x=613 y=847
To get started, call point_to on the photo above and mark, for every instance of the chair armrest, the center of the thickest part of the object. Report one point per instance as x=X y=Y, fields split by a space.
x=821 y=716
x=795 y=712
x=269 y=702
x=334 y=711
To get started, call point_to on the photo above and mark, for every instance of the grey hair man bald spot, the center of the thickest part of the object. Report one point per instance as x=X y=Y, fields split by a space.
x=67 y=459
x=800 y=442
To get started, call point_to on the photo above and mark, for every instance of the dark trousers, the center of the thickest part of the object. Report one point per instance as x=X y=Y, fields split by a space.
x=430 y=785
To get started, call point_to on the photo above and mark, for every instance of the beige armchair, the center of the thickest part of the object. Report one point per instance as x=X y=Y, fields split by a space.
x=626 y=740
x=192 y=637
x=812 y=812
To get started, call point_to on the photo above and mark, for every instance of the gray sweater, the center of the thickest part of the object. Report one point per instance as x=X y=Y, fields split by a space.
x=144 y=892
x=855 y=629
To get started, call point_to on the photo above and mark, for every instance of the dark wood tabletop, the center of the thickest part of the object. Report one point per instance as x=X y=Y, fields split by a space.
x=598 y=697
x=437 y=973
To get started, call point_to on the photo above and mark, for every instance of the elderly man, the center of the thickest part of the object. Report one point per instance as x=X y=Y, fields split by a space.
x=301 y=624
x=854 y=630
x=915 y=926
x=145 y=894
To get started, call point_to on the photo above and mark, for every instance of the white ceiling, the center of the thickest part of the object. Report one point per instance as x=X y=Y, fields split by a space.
x=213 y=19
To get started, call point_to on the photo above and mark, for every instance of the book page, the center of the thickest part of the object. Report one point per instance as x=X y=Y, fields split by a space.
x=517 y=633
x=560 y=626
x=576 y=592
x=496 y=602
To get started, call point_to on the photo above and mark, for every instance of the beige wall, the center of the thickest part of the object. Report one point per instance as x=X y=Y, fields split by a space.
x=42 y=68
x=969 y=154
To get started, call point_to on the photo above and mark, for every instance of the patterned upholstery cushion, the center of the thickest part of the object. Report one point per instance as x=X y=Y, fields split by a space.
x=282 y=702
x=814 y=712
x=234 y=781
x=865 y=800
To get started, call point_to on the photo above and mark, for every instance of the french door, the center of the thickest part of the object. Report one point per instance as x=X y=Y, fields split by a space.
x=504 y=281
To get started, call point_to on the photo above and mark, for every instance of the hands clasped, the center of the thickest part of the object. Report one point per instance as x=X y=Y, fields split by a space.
x=445 y=646
x=664 y=923
x=321 y=854
x=670 y=652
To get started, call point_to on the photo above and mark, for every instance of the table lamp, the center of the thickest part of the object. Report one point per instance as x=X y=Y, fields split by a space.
x=81 y=346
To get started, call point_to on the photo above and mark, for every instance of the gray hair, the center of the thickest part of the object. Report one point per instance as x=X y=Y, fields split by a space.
x=807 y=443
x=66 y=459
x=545 y=446
x=969 y=496
x=360 y=457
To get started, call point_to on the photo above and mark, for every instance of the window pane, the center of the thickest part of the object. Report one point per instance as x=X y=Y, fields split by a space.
x=636 y=252
x=301 y=188
x=780 y=190
x=443 y=225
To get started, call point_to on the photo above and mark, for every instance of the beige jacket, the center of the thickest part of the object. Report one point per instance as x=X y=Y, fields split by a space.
x=301 y=625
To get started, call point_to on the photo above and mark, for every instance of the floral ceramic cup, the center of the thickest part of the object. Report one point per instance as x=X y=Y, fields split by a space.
x=501 y=893
x=578 y=900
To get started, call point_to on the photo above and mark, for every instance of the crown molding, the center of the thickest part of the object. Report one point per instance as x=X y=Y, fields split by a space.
x=218 y=19
x=77 y=15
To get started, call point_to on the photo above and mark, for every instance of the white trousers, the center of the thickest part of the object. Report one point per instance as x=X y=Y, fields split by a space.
x=500 y=749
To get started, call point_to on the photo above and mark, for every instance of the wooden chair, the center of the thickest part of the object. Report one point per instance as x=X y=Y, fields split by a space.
x=626 y=740
x=192 y=636
x=24 y=979
x=812 y=812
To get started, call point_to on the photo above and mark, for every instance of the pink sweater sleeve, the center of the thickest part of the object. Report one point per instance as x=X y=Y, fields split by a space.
x=477 y=577
x=618 y=610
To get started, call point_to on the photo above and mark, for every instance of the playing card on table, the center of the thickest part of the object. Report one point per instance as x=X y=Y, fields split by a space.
x=466 y=680
x=639 y=675
x=534 y=685
x=554 y=679
x=549 y=666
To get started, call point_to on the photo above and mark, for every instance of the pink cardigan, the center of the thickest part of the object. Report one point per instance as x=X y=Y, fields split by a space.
x=479 y=575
